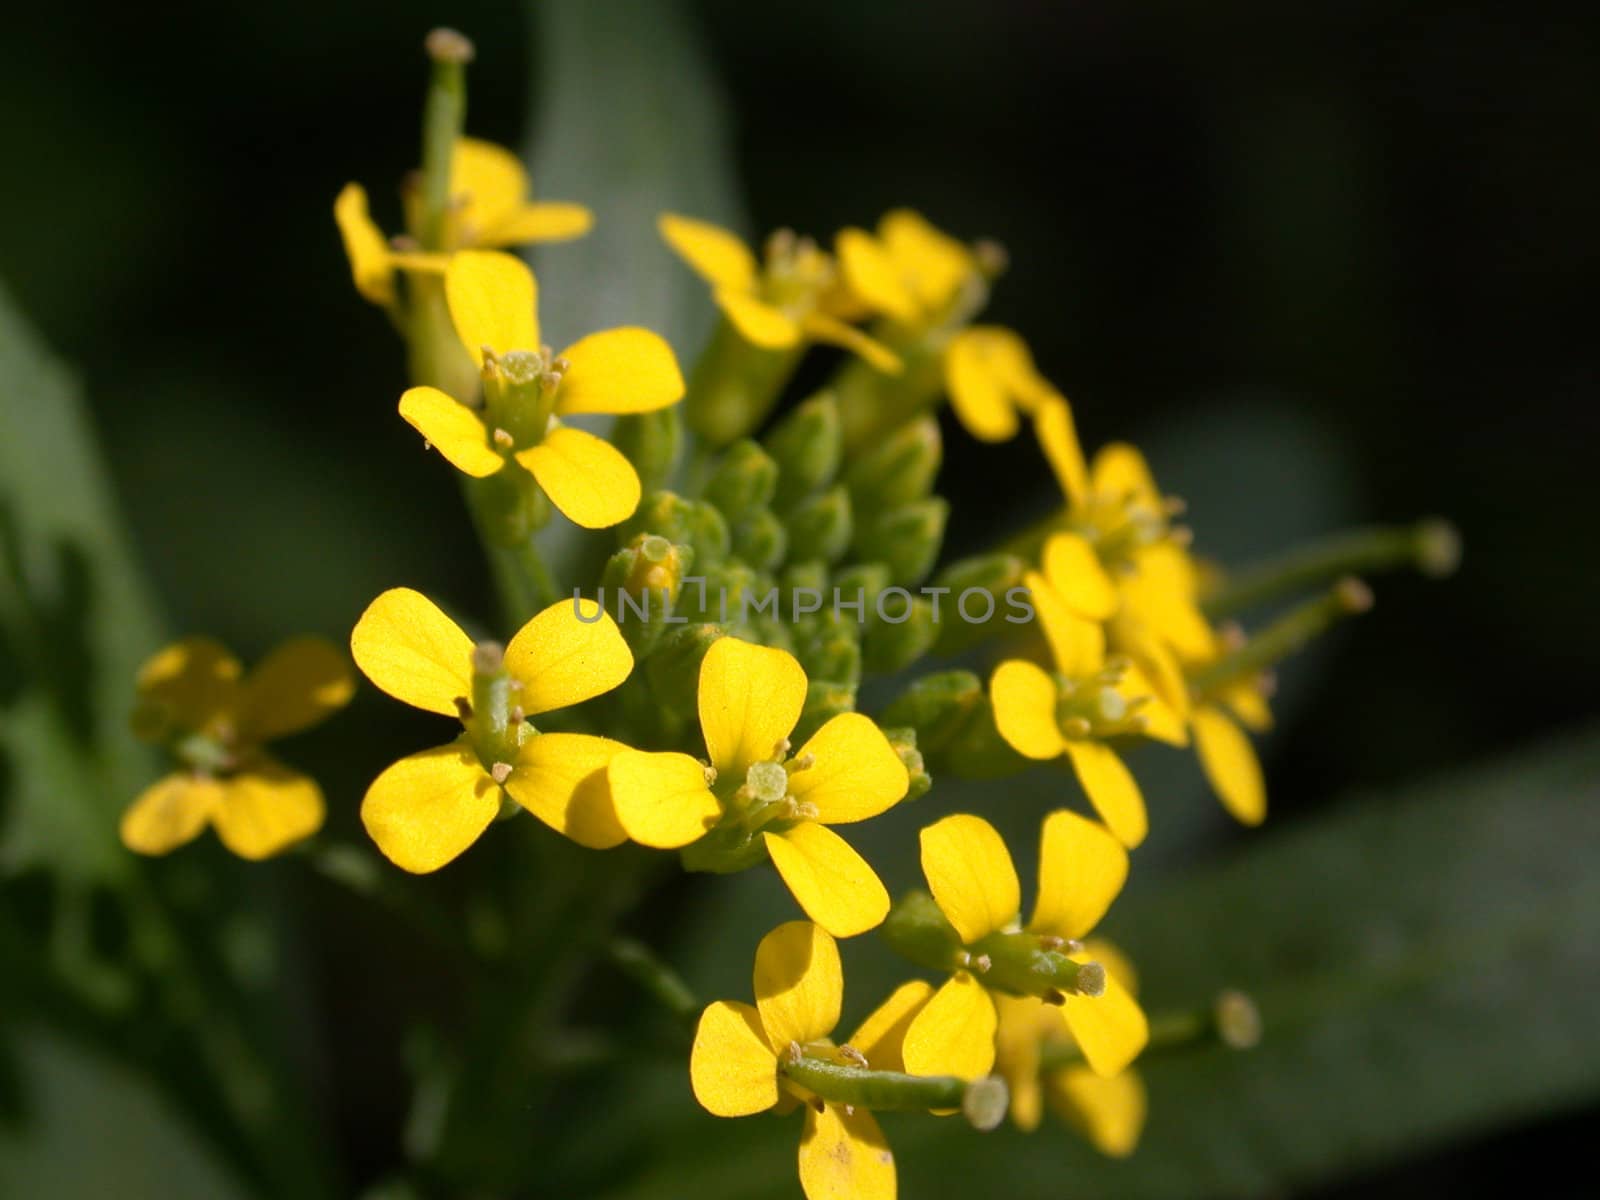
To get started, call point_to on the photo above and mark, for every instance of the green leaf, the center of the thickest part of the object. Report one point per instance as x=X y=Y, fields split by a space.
x=1424 y=965
x=76 y=619
x=630 y=122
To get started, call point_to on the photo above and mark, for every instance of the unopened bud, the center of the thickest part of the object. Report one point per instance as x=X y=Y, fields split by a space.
x=906 y=539
x=820 y=527
x=745 y=479
x=807 y=446
x=897 y=470
x=761 y=539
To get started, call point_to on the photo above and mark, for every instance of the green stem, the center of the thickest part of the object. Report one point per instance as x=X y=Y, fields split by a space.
x=1283 y=637
x=444 y=114
x=983 y=1101
x=1432 y=546
x=640 y=964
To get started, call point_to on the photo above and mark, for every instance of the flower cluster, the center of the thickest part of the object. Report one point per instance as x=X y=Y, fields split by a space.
x=731 y=734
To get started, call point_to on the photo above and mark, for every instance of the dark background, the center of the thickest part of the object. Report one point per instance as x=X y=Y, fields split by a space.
x=1327 y=262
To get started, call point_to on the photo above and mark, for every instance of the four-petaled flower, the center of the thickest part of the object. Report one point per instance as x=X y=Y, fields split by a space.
x=493 y=301
x=910 y=272
x=489 y=207
x=195 y=699
x=750 y=700
x=426 y=809
x=1088 y=700
x=734 y=1065
x=974 y=883
x=790 y=300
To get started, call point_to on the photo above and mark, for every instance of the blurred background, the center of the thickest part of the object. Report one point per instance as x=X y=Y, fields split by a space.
x=1325 y=263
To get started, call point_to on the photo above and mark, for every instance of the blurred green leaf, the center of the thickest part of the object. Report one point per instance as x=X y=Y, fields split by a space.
x=630 y=122
x=1424 y=963
x=76 y=619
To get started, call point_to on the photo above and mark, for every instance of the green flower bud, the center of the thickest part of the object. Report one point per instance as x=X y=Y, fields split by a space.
x=905 y=539
x=673 y=669
x=861 y=581
x=651 y=441
x=977 y=602
x=978 y=751
x=744 y=480
x=761 y=539
x=937 y=706
x=806 y=447
x=904 y=742
x=820 y=527
x=734 y=386
x=893 y=644
x=897 y=470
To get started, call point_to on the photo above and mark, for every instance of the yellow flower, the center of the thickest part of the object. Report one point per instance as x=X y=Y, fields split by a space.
x=194 y=698
x=734 y=1065
x=910 y=272
x=1108 y=1110
x=426 y=809
x=1090 y=698
x=790 y=300
x=493 y=300
x=758 y=798
x=489 y=206
x=990 y=375
x=974 y=883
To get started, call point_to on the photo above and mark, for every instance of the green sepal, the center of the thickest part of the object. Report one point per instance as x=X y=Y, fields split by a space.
x=937 y=706
x=734 y=385
x=893 y=645
x=761 y=539
x=904 y=741
x=995 y=574
x=673 y=669
x=825 y=699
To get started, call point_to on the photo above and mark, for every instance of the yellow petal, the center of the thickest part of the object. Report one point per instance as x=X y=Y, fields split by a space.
x=750 y=701
x=1157 y=662
x=716 y=255
x=546 y=222
x=855 y=774
x=872 y=275
x=364 y=245
x=936 y=264
x=488 y=182
x=1077 y=644
x=833 y=884
x=493 y=302
x=1081 y=870
x=1230 y=765
x=569 y=653
x=758 y=322
x=1249 y=704
x=820 y=327
x=187 y=686
x=619 y=371
x=1025 y=1024
x=170 y=812
x=299 y=684
x=1058 y=437
x=1120 y=472
x=977 y=390
x=412 y=651
x=662 y=799
x=971 y=875
x=1109 y=1112
x=731 y=1068
x=427 y=808
x=799 y=984
x=561 y=778
x=1162 y=721
x=452 y=429
x=880 y=1038
x=586 y=477
x=267 y=809
x=1111 y=789
x=1110 y=1028
x=954 y=1032
x=1024 y=700
x=843 y=1156
x=1073 y=568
